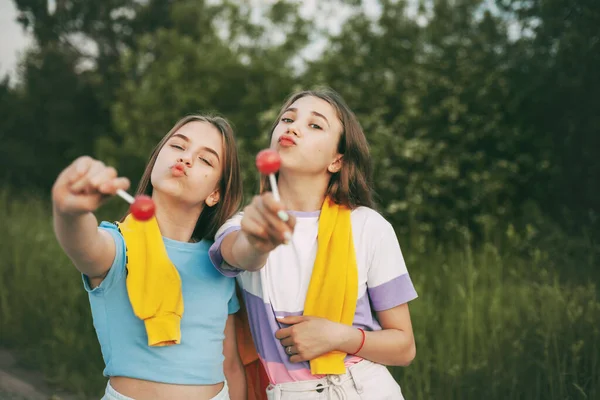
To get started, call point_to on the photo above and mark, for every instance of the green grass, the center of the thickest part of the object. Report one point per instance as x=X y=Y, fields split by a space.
x=492 y=322
x=44 y=311
x=490 y=326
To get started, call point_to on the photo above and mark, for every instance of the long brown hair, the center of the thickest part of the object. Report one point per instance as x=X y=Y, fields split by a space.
x=230 y=184
x=351 y=186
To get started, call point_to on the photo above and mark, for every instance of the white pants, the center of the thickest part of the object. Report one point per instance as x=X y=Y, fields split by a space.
x=112 y=394
x=363 y=381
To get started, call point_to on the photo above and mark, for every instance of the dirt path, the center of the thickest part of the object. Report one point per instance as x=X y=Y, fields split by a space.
x=20 y=384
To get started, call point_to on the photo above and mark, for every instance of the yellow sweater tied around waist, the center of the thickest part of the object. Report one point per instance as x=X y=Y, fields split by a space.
x=153 y=283
x=333 y=288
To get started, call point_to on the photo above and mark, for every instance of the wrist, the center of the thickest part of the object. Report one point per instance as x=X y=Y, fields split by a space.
x=67 y=214
x=246 y=255
x=351 y=340
x=362 y=342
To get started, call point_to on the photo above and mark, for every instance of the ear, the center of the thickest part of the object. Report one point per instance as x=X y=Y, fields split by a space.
x=336 y=165
x=213 y=198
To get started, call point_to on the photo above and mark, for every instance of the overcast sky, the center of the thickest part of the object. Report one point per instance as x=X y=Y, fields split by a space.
x=12 y=39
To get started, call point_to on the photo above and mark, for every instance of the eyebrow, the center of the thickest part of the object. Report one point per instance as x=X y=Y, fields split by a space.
x=209 y=149
x=316 y=114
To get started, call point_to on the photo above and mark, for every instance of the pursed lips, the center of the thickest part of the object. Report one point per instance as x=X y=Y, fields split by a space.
x=179 y=168
x=286 y=141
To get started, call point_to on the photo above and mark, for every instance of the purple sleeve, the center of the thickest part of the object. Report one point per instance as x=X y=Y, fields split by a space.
x=388 y=282
x=217 y=258
x=393 y=293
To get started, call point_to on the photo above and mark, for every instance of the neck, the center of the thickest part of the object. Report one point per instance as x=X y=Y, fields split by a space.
x=176 y=221
x=302 y=192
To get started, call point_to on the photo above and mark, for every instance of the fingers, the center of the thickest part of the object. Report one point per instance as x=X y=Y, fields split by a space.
x=290 y=350
x=89 y=176
x=277 y=208
x=274 y=207
x=292 y=319
x=283 y=333
x=271 y=218
x=94 y=170
x=266 y=220
x=84 y=185
x=102 y=174
x=77 y=169
x=111 y=186
x=294 y=354
x=253 y=225
x=290 y=347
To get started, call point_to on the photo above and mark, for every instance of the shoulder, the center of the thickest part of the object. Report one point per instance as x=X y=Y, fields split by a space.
x=112 y=229
x=370 y=220
x=230 y=225
x=109 y=225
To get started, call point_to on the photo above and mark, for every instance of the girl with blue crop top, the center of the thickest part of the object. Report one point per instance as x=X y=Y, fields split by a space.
x=183 y=345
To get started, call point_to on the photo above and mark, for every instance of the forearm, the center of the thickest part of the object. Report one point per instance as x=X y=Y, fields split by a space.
x=238 y=252
x=79 y=237
x=236 y=379
x=387 y=347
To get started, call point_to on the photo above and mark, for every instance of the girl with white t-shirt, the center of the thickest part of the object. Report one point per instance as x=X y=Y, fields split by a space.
x=322 y=274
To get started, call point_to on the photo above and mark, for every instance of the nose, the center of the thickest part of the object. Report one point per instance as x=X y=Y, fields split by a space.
x=293 y=130
x=187 y=160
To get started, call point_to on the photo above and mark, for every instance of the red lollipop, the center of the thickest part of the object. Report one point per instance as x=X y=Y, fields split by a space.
x=142 y=207
x=268 y=162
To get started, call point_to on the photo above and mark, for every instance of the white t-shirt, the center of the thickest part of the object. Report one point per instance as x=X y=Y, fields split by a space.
x=280 y=287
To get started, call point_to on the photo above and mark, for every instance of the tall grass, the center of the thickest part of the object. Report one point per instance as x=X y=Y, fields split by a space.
x=492 y=322
x=44 y=311
x=496 y=326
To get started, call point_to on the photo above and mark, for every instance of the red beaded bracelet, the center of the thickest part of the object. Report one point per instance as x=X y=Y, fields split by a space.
x=362 y=343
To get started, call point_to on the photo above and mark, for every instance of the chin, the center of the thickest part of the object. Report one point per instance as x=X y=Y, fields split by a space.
x=290 y=161
x=171 y=189
x=296 y=165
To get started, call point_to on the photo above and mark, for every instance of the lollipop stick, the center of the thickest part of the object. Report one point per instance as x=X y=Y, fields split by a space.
x=274 y=187
x=268 y=163
x=278 y=199
x=125 y=196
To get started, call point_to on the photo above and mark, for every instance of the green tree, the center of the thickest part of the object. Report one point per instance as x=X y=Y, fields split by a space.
x=555 y=76
x=55 y=117
x=212 y=59
x=431 y=97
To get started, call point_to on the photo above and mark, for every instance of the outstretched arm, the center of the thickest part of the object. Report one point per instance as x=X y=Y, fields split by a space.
x=265 y=225
x=78 y=191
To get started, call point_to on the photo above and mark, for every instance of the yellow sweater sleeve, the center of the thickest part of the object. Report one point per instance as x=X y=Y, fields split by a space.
x=333 y=288
x=153 y=283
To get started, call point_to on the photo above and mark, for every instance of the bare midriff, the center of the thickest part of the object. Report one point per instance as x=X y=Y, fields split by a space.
x=139 y=389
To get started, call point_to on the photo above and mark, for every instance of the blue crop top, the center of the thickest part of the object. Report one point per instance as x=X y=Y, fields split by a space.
x=208 y=299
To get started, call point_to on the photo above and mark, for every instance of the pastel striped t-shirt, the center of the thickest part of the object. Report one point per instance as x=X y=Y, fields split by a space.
x=280 y=287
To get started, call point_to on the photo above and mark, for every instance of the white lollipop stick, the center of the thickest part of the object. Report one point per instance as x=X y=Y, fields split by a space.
x=273 y=182
x=268 y=162
x=274 y=187
x=125 y=196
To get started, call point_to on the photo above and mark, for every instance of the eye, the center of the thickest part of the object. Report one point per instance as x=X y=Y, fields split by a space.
x=315 y=126
x=176 y=146
x=206 y=161
x=287 y=120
